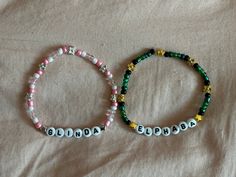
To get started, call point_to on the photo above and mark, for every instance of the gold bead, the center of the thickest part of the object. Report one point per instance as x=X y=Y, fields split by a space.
x=160 y=52
x=191 y=61
x=207 y=89
x=121 y=98
x=133 y=125
x=198 y=117
x=131 y=67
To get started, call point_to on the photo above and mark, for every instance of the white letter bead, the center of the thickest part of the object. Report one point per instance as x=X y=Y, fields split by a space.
x=60 y=51
x=174 y=129
x=50 y=131
x=69 y=132
x=140 y=129
x=157 y=131
x=183 y=126
x=96 y=131
x=50 y=59
x=78 y=133
x=191 y=123
x=148 y=131
x=87 y=132
x=165 y=131
x=60 y=132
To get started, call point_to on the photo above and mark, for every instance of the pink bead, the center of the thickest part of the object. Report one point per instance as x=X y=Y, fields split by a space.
x=38 y=125
x=107 y=123
x=114 y=92
x=115 y=104
x=78 y=52
x=99 y=63
x=65 y=49
x=32 y=90
x=108 y=73
x=40 y=72
x=46 y=61
x=30 y=103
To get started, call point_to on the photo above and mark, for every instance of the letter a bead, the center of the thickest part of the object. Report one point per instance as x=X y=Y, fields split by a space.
x=175 y=129
x=192 y=123
x=96 y=131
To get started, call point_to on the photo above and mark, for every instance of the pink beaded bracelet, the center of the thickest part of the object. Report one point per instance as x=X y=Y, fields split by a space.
x=69 y=132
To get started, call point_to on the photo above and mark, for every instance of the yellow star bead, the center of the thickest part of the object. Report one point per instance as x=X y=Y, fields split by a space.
x=131 y=67
x=198 y=117
x=191 y=61
x=133 y=125
x=121 y=98
x=207 y=89
x=160 y=52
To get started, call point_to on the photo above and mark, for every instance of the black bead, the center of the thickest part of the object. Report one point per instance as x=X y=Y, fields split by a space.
x=167 y=54
x=182 y=56
x=135 y=61
x=128 y=72
x=201 y=112
x=186 y=57
x=196 y=65
x=152 y=51
x=206 y=82
x=128 y=122
x=121 y=103
x=102 y=127
x=123 y=91
x=207 y=95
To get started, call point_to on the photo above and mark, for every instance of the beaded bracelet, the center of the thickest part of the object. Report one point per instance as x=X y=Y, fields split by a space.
x=174 y=129
x=69 y=132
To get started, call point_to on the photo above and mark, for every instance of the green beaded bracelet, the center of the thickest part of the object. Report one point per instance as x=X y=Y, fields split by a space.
x=174 y=129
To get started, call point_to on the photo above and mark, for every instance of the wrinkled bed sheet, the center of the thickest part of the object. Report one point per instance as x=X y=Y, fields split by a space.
x=162 y=92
